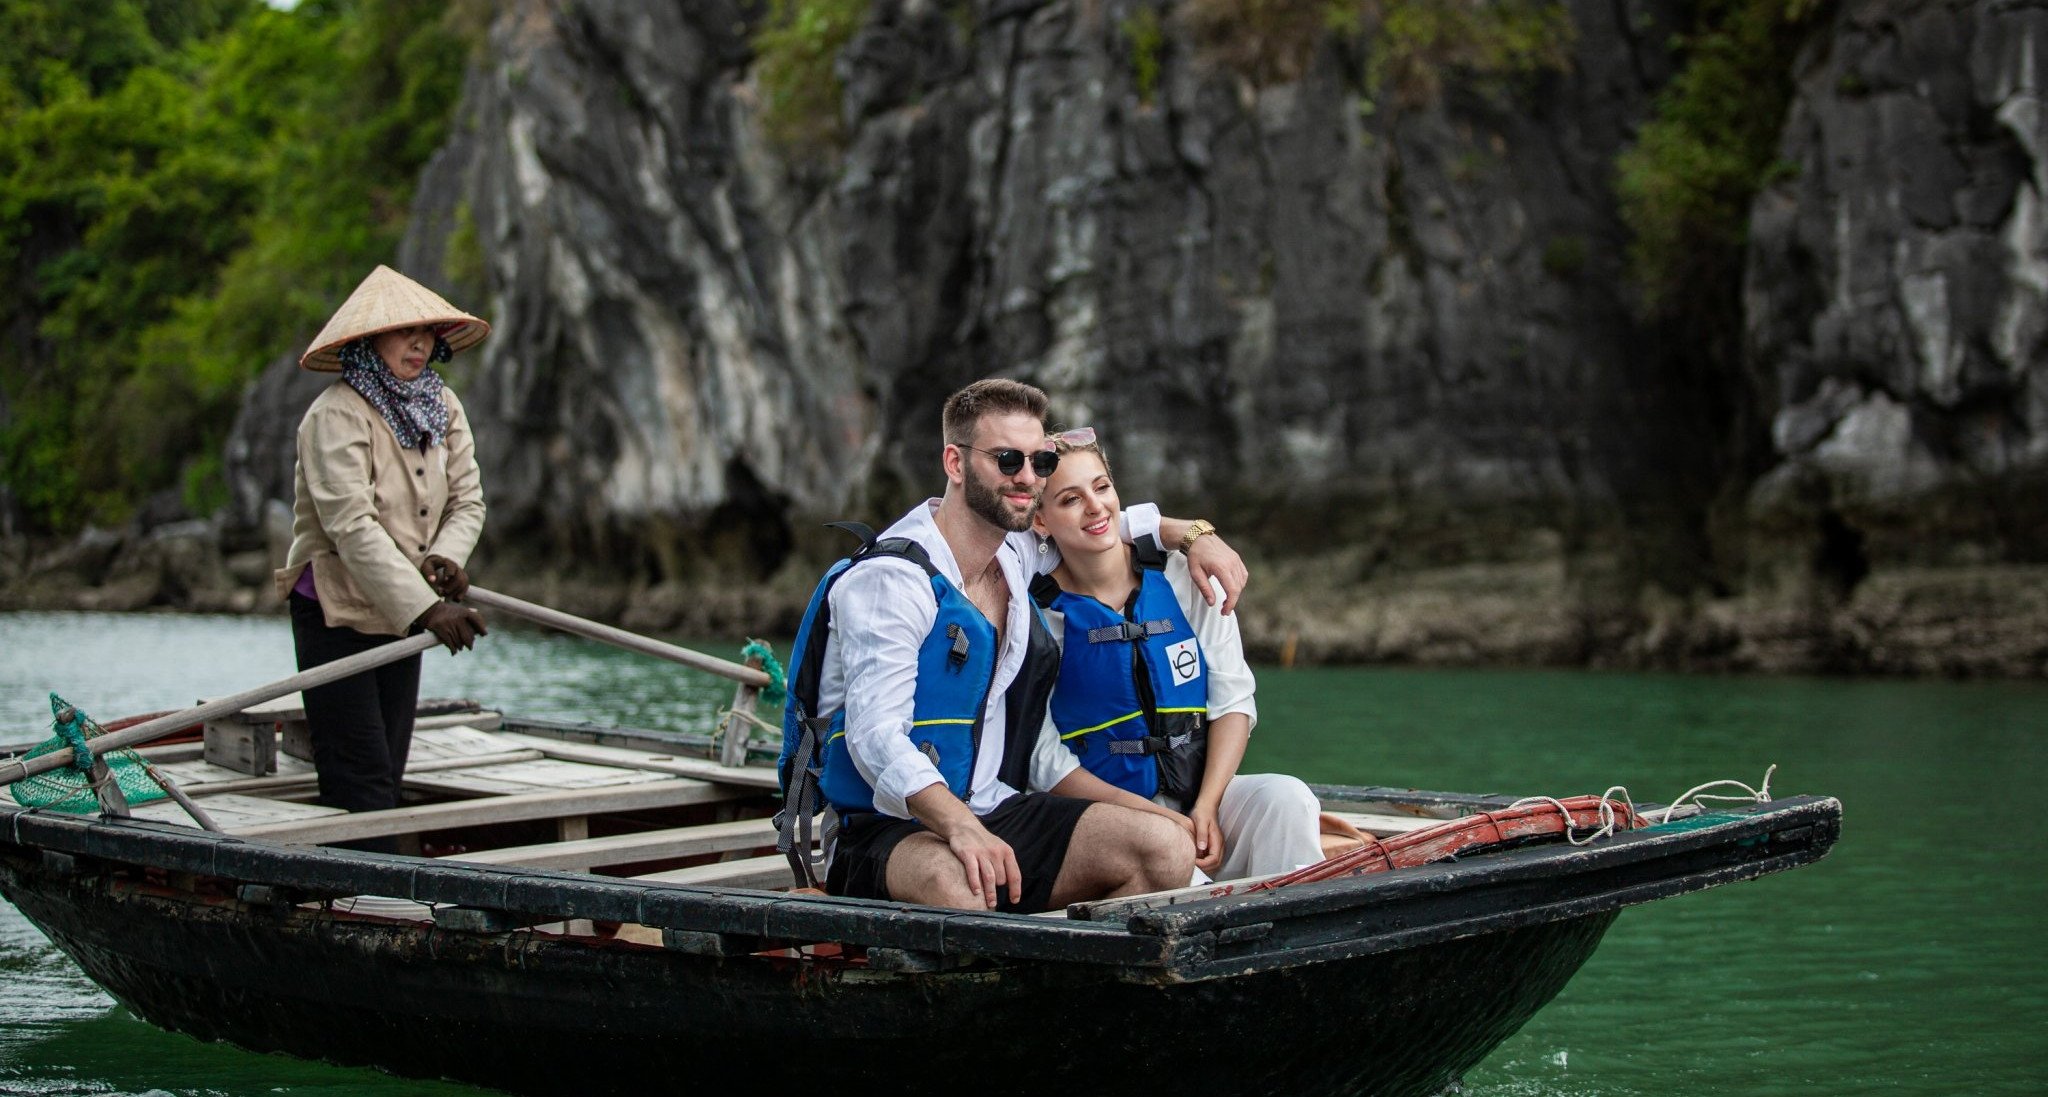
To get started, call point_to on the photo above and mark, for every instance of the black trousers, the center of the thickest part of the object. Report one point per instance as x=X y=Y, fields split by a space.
x=361 y=725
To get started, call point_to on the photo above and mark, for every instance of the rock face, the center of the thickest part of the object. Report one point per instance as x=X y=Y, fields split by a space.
x=1897 y=305
x=670 y=367
x=1287 y=298
x=1898 y=283
x=1385 y=340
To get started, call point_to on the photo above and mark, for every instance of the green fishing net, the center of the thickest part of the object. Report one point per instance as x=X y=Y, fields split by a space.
x=70 y=788
x=774 y=695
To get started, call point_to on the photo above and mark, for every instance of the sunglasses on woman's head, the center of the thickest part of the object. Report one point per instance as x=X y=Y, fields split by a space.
x=1009 y=461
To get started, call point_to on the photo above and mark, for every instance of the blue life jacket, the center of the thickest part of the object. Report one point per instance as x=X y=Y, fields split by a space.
x=1133 y=693
x=955 y=668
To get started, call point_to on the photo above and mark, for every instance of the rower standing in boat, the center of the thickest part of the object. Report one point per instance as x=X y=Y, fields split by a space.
x=924 y=695
x=1154 y=694
x=387 y=505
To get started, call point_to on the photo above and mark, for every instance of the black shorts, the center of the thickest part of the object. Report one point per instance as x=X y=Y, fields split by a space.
x=1037 y=825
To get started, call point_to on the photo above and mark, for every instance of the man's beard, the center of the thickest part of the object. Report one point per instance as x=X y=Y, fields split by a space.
x=984 y=501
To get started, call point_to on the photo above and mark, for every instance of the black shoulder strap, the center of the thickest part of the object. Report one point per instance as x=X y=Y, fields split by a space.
x=1044 y=588
x=1147 y=553
x=862 y=530
x=903 y=548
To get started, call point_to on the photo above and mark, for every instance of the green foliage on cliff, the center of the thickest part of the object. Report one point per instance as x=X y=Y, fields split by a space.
x=1413 y=48
x=794 y=51
x=1421 y=44
x=189 y=187
x=1687 y=183
x=1148 y=39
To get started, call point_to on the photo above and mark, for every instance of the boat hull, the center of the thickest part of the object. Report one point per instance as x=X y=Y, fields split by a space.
x=534 y=1013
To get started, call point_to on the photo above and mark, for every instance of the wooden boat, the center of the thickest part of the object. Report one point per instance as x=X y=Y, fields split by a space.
x=606 y=915
x=504 y=964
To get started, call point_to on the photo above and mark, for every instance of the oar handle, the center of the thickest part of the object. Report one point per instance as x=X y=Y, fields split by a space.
x=556 y=619
x=11 y=772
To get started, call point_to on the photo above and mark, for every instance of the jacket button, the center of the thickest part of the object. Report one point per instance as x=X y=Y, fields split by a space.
x=423 y=512
x=419 y=472
x=423 y=548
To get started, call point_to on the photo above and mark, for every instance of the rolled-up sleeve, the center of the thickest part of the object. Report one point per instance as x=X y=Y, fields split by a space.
x=335 y=452
x=881 y=613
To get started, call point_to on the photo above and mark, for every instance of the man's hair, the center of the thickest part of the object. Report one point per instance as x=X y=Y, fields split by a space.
x=989 y=396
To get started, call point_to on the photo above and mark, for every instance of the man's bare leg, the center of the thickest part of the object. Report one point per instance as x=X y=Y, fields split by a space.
x=923 y=869
x=1117 y=851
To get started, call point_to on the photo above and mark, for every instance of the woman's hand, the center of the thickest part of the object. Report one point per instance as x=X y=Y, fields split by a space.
x=445 y=576
x=456 y=626
x=1208 y=838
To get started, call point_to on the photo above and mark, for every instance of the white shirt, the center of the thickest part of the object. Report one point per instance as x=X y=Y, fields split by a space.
x=1231 y=684
x=881 y=613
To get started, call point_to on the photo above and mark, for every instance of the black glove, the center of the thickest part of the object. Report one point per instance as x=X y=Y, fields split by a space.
x=445 y=576
x=456 y=626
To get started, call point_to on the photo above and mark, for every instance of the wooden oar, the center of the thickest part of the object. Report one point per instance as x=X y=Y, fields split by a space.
x=556 y=619
x=11 y=772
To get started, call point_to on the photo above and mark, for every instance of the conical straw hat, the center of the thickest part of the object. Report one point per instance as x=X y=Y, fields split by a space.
x=386 y=301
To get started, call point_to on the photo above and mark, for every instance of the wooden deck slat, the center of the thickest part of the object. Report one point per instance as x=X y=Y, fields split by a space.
x=509 y=778
x=457 y=740
x=623 y=849
x=237 y=814
x=494 y=809
x=702 y=769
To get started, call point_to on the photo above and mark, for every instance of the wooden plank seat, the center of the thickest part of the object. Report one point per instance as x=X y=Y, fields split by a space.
x=1380 y=826
x=769 y=873
x=621 y=849
x=202 y=778
x=553 y=804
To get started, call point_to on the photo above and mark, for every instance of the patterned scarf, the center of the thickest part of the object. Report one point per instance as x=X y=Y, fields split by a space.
x=412 y=408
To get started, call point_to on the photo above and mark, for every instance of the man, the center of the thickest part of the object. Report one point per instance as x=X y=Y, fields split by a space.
x=929 y=697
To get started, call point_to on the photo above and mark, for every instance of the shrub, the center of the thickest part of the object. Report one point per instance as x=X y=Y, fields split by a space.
x=1412 y=47
x=794 y=53
x=1686 y=185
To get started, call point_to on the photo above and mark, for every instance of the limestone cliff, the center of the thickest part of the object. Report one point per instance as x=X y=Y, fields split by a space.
x=1386 y=338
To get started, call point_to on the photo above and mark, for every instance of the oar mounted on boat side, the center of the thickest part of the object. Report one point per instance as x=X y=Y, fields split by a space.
x=21 y=769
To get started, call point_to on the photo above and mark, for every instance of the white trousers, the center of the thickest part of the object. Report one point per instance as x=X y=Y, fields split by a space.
x=1269 y=825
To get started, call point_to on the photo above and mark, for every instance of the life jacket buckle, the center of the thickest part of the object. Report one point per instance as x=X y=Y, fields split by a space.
x=958 y=655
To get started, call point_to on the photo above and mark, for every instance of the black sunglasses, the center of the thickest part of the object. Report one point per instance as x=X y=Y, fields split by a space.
x=1008 y=461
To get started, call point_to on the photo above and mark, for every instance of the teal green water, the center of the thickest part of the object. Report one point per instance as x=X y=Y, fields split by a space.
x=1908 y=962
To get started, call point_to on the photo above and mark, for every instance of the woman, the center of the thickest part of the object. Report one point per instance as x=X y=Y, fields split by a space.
x=1154 y=695
x=386 y=508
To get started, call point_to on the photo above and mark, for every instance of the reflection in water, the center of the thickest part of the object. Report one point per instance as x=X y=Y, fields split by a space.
x=1907 y=962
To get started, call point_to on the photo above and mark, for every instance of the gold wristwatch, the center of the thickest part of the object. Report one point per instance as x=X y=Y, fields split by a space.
x=1196 y=528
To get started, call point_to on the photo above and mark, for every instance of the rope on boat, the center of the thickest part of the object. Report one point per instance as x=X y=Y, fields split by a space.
x=1699 y=793
x=727 y=715
x=1608 y=819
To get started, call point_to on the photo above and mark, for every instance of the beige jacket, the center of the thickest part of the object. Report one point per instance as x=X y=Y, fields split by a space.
x=365 y=512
